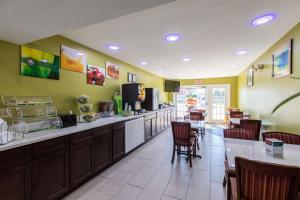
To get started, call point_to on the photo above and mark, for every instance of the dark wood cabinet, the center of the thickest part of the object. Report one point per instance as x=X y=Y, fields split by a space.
x=148 y=129
x=15 y=174
x=50 y=169
x=15 y=183
x=159 y=121
x=150 y=126
x=169 y=117
x=81 y=155
x=165 y=118
x=102 y=148
x=153 y=124
x=118 y=137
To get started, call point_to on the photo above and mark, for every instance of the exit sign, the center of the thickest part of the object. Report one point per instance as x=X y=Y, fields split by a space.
x=198 y=82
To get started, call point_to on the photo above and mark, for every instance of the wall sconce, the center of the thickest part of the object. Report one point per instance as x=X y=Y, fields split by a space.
x=258 y=67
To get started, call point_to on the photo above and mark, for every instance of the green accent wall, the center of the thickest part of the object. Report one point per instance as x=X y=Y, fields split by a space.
x=71 y=84
x=267 y=92
x=232 y=81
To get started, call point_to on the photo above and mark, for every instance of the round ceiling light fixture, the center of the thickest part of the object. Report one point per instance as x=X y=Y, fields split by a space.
x=233 y=65
x=242 y=52
x=113 y=47
x=172 y=37
x=144 y=63
x=263 y=19
x=186 y=59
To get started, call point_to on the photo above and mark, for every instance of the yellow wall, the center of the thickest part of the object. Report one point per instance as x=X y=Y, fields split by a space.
x=71 y=84
x=267 y=92
x=232 y=81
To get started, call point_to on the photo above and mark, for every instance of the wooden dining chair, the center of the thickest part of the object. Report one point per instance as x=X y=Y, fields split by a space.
x=235 y=114
x=235 y=133
x=264 y=181
x=182 y=137
x=199 y=116
x=252 y=125
x=239 y=133
x=287 y=138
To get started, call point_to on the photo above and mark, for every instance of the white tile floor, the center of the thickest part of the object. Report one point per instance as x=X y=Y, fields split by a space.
x=147 y=173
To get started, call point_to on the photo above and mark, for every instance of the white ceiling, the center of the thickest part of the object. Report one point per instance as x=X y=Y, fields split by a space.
x=212 y=31
x=23 y=21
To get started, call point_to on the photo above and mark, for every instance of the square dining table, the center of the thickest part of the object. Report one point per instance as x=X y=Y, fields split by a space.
x=256 y=150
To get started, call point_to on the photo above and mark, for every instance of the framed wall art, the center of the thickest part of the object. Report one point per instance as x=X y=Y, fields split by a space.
x=282 y=61
x=73 y=60
x=40 y=64
x=112 y=70
x=95 y=75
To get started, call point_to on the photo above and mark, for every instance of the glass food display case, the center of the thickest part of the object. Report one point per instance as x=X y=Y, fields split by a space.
x=25 y=114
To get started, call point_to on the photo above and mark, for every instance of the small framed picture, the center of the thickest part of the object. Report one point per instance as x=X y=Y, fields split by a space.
x=250 y=76
x=129 y=77
x=134 y=78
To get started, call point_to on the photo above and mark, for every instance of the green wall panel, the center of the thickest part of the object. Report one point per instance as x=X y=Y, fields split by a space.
x=71 y=84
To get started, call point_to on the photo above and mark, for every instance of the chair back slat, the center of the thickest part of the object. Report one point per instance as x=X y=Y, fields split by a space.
x=239 y=133
x=251 y=125
x=236 y=114
x=266 y=181
x=181 y=133
x=287 y=138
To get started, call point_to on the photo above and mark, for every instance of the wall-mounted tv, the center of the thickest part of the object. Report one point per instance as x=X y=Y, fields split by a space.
x=172 y=86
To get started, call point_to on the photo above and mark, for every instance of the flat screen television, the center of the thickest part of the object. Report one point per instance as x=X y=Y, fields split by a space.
x=172 y=86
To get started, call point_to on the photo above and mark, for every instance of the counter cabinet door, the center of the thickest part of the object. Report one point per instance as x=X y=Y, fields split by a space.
x=81 y=167
x=118 y=140
x=153 y=128
x=50 y=176
x=15 y=183
x=102 y=148
x=15 y=174
x=50 y=169
x=148 y=129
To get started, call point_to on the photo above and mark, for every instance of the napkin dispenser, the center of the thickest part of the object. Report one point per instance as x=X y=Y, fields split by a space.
x=68 y=120
x=274 y=147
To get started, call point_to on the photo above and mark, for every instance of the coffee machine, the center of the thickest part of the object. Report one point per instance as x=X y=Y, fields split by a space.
x=133 y=94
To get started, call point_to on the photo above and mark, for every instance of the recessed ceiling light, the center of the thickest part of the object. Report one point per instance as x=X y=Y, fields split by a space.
x=144 y=63
x=113 y=47
x=160 y=71
x=172 y=37
x=186 y=59
x=80 y=54
x=263 y=19
x=241 y=52
x=233 y=65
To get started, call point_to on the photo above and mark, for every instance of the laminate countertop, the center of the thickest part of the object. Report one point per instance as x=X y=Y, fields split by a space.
x=54 y=133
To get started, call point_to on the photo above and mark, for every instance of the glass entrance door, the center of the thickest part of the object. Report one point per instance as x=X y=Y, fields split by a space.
x=218 y=101
x=214 y=99
x=190 y=98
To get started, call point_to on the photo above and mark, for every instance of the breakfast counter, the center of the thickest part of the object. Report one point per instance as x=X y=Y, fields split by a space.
x=50 y=164
x=54 y=133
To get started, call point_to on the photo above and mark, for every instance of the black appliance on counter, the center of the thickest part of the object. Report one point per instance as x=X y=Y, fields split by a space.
x=133 y=94
x=151 y=100
x=68 y=120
